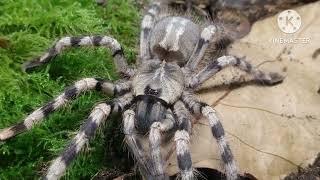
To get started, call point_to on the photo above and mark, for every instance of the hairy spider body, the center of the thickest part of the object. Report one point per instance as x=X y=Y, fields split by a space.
x=156 y=98
x=156 y=85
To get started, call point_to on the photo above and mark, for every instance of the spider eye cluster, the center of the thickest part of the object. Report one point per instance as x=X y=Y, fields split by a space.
x=149 y=91
x=174 y=39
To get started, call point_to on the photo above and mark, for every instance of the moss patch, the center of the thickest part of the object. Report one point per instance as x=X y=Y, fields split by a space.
x=27 y=29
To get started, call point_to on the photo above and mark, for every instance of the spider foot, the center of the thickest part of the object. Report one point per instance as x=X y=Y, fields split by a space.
x=31 y=65
x=9 y=132
x=270 y=79
x=4 y=134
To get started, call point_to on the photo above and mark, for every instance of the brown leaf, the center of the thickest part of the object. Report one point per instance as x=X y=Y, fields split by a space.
x=272 y=130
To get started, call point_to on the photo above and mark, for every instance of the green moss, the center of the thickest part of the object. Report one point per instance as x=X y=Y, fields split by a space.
x=30 y=27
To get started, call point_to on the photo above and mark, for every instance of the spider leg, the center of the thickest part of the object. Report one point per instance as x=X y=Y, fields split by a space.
x=155 y=143
x=201 y=47
x=132 y=139
x=105 y=41
x=182 y=139
x=96 y=118
x=146 y=27
x=217 y=65
x=70 y=93
x=98 y=115
x=200 y=108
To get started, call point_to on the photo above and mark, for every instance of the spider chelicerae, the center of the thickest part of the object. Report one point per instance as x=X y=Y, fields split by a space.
x=156 y=98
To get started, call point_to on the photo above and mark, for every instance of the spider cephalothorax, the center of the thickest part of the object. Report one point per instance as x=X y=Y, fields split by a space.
x=155 y=85
x=155 y=99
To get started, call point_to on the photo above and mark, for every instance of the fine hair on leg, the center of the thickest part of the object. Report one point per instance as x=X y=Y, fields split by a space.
x=135 y=145
x=146 y=28
x=70 y=93
x=98 y=115
x=155 y=136
x=182 y=140
x=65 y=42
x=201 y=47
x=200 y=108
x=217 y=65
x=95 y=119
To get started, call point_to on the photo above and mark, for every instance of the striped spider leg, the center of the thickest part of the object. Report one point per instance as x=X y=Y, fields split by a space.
x=70 y=93
x=96 y=118
x=65 y=42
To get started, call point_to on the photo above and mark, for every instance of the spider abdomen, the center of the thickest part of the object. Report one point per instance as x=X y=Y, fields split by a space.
x=174 y=38
x=148 y=110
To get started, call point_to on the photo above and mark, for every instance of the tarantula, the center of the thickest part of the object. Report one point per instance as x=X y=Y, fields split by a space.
x=157 y=98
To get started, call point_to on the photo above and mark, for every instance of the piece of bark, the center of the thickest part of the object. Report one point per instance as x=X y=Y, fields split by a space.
x=238 y=15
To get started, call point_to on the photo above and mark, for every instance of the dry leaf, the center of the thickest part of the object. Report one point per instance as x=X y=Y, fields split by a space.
x=272 y=130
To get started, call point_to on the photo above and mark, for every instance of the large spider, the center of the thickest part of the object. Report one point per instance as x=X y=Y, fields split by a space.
x=157 y=98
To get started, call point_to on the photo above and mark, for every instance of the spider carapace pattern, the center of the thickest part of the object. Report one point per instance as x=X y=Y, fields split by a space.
x=155 y=99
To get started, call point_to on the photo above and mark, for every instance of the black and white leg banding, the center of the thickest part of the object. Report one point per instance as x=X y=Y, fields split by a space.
x=201 y=46
x=156 y=131
x=96 y=118
x=146 y=27
x=70 y=93
x=217 y=131
x=217 y=65
x=182 y=139
x=135 y=144
x=104 y=41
